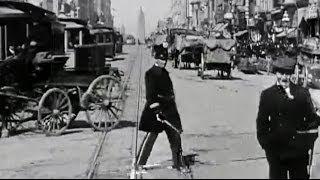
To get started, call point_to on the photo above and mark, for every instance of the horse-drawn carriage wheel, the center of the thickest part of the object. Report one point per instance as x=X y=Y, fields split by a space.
x=7 y=77
x=10 y=123
x=55 y=112
x=104 y=102
x=13 y=111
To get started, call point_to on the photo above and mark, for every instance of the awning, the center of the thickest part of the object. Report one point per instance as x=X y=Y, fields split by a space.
x=193 y=38
x=95 y=31
x=312 y=12
x=6 y=12
x=218 y=26
x=35 y=12
x=240 y=33
x=291 y=33
x=72 y=25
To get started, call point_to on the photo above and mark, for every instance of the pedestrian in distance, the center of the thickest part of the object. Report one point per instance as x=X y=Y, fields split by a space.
x=287 y=126
x=160 y=105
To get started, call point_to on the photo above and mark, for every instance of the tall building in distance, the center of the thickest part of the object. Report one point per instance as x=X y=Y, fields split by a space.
x=141 y=26
x=123 y=30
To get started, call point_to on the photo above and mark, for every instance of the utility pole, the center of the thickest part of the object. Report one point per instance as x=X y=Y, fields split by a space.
x=247 y=5
x=187 y=13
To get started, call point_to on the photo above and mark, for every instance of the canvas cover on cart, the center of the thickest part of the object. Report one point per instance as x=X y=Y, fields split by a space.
x=217 y=56
x=183 y=41
x=219 y=50
x=225 y=44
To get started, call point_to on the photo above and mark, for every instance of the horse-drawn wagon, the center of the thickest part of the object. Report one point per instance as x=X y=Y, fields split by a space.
x=36 y=85
x=308 y=63
x=189 y=48
x=217 y=56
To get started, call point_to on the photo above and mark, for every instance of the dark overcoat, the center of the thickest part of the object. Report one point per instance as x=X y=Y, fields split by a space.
x=280 y=118
x=159 y=89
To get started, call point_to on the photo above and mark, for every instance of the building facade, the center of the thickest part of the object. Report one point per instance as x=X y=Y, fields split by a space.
x=179 y=13
x=103 y=11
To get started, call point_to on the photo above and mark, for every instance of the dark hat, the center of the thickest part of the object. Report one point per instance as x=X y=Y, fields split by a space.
x=284 y=65
x=161 y=52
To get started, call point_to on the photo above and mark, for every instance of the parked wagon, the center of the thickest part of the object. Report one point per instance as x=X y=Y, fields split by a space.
x=36 y=85
x=107 y=37
x=119 y=42
x=217 y=56
x=189 y=48
x=308 y=64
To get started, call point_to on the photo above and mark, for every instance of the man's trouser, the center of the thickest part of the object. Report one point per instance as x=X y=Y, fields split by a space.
x=293 y=168
x=149 y=140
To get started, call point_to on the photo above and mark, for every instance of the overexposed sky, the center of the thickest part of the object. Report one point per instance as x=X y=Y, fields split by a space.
x=126 y=13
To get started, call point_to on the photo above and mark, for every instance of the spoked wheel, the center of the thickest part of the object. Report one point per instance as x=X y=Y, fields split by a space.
x=55 y=112
x=12 y=111
x=104 y=102
x=12 y=122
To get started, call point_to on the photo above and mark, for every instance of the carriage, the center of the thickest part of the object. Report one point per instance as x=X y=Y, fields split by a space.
x=119 y=42
x=308 y=64
x=217 y=56
x=107 y=37
x=41 y=84
x=189 y=50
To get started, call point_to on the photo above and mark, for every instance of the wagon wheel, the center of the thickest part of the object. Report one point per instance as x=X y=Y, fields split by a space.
x=103 y=102
x=55 y=112
x=13 y=112
x=7 y=76
x=13 y=121
x=74 y=94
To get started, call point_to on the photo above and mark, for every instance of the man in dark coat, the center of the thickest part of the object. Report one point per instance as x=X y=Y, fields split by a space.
x=287 y=126
x=160 y=100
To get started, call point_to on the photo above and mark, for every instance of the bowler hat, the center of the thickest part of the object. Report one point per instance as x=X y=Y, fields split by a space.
x=284 y=65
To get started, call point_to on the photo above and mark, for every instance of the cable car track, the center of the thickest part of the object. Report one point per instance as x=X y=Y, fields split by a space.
x=95 y=161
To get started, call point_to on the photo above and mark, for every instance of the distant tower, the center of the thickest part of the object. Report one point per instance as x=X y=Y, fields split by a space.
x=123 y=30
x=141 y=27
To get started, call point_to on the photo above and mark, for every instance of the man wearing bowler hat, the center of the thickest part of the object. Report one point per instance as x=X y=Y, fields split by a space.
x=287 y=125
x=160 y=105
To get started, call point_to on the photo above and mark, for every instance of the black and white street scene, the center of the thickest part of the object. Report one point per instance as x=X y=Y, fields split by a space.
x=159 y=89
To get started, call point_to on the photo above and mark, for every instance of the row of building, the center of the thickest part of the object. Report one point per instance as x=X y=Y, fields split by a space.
x=92 y=11
x=203 y=14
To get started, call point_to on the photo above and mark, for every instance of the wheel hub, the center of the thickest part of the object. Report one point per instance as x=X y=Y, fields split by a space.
x=106 y=103
x=56 y=112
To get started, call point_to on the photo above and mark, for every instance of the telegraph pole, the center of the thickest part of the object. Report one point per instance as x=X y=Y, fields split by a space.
x=187 y=13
